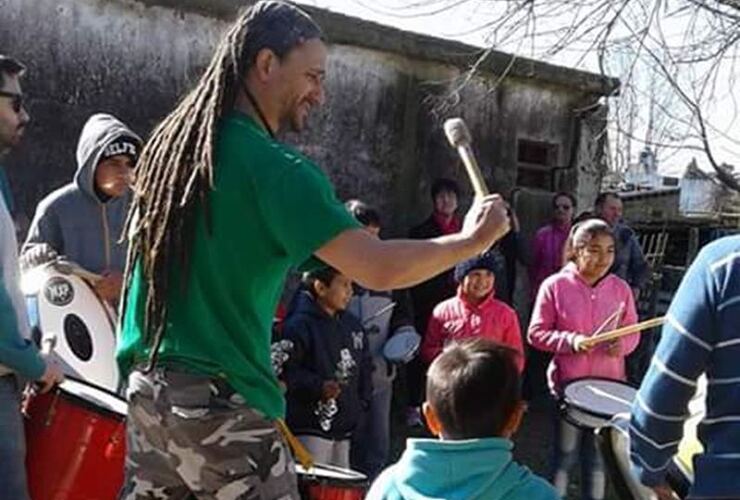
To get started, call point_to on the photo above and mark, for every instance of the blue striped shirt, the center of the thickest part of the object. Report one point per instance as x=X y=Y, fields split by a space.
x=701 y=335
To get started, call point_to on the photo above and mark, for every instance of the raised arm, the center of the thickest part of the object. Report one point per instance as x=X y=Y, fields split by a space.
x=388 y=264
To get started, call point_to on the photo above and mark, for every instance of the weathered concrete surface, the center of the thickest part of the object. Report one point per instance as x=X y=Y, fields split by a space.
x=377 y=137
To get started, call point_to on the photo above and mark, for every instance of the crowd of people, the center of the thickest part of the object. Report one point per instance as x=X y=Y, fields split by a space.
x=193 y=231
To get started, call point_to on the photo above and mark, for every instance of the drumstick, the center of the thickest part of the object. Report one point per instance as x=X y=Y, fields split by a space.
x=459 y=137
x=69 y=267
x=608 y=320
x=623 y=332
x=301 y=453
x=379 y=313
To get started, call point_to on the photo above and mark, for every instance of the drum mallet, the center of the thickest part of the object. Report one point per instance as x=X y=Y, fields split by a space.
x=459 y=137
x=623 y=332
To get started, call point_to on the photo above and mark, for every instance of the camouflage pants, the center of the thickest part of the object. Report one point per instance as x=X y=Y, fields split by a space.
x=192 y=436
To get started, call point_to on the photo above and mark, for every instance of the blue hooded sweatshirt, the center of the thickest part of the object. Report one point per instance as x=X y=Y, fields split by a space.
x=74 y=220
x=471 y=469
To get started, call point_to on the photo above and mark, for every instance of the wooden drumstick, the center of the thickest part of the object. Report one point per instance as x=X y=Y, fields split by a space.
x=459 y=137
x=615 y=315
x=622 y=332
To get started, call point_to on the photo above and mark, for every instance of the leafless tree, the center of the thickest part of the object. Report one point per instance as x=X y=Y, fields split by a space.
x=676 y=60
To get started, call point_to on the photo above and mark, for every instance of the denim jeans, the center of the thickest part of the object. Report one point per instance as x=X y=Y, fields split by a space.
x=12 y=441
x=573 y=444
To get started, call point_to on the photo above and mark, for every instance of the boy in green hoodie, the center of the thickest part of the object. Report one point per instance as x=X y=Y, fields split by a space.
x=473 y=406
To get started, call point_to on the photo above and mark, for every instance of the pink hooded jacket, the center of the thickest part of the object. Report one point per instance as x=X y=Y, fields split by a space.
x=457 y=319
x=565 y=306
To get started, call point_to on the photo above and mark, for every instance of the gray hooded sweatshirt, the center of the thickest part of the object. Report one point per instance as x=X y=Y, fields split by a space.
x=74 y=220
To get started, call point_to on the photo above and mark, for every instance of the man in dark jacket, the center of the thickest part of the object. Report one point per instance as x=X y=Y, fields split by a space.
x=443 y=220
x=328 y=375
x=83 y=220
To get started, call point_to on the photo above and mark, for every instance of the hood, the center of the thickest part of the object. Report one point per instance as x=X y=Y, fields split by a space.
x=475 y=469
x=100 y=130
x=304 y=303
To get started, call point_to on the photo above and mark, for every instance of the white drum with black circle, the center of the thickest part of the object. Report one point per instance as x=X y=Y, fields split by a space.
x=63 y=308
x=402 y=346
x=591 y=403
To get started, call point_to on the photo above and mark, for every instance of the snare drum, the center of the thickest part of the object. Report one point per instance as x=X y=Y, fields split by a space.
x=326 y=482
x=65 y=308
x=592 y=402
x=614 y=442
x=402 y=346
x=76 y=443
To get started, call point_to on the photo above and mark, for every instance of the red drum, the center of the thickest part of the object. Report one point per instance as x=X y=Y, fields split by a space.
x=76 y=443
x=326 y=482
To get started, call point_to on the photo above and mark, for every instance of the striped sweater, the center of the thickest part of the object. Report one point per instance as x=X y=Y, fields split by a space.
x=701 y=335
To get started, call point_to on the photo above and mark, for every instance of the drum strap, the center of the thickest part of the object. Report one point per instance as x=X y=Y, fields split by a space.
x=299 y=451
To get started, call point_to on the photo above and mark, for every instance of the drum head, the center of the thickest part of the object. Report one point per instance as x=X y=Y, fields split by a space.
x=95 y=397
x=403 y=346
x=599 y=397
x=66 y=309
x=329 y=474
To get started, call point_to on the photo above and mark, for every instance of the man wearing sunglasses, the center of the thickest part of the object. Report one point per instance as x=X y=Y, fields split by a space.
x=18 y=356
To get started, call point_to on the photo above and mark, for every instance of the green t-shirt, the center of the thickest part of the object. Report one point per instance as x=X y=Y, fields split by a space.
x=271 y=209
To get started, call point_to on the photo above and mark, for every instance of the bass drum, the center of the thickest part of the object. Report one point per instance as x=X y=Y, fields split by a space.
x=64 y=309
x=615 y=447
x=76 y=443
x=327 y=482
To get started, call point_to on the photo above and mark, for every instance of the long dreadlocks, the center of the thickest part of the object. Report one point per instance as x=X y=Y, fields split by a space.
x=175 y=171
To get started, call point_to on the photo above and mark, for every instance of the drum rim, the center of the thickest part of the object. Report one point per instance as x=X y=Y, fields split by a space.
x=564 y=403
x=359 y=482
x=65 y=393
x=408 y=356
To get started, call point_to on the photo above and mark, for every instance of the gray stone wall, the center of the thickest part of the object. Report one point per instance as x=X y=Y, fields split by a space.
x=377 y=137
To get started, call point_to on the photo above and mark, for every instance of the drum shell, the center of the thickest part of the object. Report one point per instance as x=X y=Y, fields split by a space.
x=318 y=487
x=75 y=449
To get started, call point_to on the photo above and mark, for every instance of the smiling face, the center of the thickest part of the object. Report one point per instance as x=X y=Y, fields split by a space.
x=595 y=257
x=477 y=285
x=299 y=82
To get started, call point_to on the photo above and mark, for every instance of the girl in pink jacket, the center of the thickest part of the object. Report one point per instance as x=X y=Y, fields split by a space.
x=473 y=312
x=571 y=305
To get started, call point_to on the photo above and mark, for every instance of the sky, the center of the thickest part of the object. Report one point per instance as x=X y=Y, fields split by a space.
x=464 y=24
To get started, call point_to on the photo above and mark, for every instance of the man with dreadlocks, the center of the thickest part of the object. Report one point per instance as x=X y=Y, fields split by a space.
x=221 y=212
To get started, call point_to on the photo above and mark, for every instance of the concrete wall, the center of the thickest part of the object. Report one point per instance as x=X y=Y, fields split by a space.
x=377 y=137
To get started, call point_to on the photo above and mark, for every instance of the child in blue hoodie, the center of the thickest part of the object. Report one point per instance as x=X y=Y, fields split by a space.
x=473 y=406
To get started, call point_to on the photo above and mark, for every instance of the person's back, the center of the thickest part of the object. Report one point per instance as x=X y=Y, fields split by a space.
x=474 y=420
x=699 y=337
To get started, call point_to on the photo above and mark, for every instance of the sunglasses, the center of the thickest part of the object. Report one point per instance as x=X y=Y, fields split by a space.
x=17 y=100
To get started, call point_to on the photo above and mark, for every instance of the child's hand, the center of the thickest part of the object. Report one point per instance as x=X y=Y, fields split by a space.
x=580 y=345
x=614 y=349
x=330 y=390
